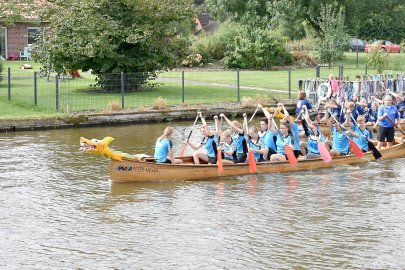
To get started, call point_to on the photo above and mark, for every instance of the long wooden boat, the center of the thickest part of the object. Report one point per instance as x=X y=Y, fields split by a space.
x=132 y=168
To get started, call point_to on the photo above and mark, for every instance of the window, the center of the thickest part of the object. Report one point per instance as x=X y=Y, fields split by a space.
x=3 y=43
x=32 y=34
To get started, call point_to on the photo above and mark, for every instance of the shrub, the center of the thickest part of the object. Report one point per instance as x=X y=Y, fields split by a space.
x=248 y=102
x=257 y=48
x=302 y=59
x=113 y=105
x=160 y=103
x=192 y=60
x=378 y=59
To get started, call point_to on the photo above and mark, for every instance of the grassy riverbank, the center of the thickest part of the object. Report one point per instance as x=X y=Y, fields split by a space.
x=202 y=85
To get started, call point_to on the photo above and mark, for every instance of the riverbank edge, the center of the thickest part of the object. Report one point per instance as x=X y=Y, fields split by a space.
x=125 y=117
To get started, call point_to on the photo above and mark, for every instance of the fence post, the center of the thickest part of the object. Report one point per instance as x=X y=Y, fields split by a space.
x=318 y=71
x=9 y=83
x=289 y=82
x=182 y=86
x=366 y=68
x=342 y=70
x=238 y=83
x=57 y=91
x=122 y=90
x=35 y=88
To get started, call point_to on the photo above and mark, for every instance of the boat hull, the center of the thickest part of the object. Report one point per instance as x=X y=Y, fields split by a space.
x=133 y=171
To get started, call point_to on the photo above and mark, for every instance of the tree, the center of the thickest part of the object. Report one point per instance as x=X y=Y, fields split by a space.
x=331 y=45
x=367 y=19
x=15 y=11
x=114 y=36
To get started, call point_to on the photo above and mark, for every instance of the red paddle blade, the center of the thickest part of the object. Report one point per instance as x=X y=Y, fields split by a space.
x=356 y=149
x=220 y=166
x=183 y=149
x=324 y=152
x=252 y=163
x=290 y=155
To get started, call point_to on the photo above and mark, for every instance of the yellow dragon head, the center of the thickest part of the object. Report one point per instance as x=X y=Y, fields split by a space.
x=101 y=147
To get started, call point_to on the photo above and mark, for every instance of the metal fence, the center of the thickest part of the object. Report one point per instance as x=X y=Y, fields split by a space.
x=123 y=90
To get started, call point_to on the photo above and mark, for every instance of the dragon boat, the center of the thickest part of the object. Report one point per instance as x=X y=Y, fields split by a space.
x=133 y=168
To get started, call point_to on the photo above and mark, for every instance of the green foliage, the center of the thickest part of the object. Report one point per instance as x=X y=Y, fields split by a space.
x=258 y=49
x=378 y=60
x=333 y=41
x=110 y=37
x=214 y=45
x=15 y=11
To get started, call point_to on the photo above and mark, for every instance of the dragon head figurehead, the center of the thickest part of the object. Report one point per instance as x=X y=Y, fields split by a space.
x=101 y=147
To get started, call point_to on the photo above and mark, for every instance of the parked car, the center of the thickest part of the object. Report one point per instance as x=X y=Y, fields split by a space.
x=384 y=45
x=356 y=44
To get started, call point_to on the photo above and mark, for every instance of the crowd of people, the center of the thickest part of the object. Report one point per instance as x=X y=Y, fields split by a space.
x=351 y=120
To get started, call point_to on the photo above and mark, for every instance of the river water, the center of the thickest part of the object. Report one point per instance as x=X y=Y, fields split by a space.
x=59 y=210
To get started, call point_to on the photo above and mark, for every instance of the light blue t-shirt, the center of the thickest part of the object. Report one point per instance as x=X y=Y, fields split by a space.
x=362 y=141
x=281 y=141
x=162 y=149
x=340 y=141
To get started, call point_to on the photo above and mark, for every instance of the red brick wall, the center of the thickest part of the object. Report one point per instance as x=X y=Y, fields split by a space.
x=17 y=38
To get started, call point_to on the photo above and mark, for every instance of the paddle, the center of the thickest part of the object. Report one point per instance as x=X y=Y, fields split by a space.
x=253 y=115
x=323 y=151
x=356 y=149
x=189 y=135
x=395 y=125
x=251 y=155
x=288 y=151
x=371 y=146
x=219 y=153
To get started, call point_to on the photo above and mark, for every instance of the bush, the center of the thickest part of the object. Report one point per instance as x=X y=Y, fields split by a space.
x=192 y=60
x=378 y=59
x=302 y=59
x=159 y=103
x=257 y=48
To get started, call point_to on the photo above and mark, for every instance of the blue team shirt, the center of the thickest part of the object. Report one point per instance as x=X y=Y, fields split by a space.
x=392 y=112
x=162 y=150
x=257 y=146
x=281 y=141
x=239 y=143
x=301 y=103
x=313 y=143
x=210 y=145
x=401 y=109
x=295 y=132
x=340 y=141
x=362 y=141
x=228 y=148
x=268 y=140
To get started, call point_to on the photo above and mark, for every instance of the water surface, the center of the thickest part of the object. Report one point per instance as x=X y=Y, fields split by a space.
x=59 y=210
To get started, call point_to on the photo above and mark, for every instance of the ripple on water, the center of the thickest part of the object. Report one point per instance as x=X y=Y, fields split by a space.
x=60 y=211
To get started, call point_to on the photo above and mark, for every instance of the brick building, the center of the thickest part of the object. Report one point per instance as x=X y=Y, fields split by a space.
x=13 y=39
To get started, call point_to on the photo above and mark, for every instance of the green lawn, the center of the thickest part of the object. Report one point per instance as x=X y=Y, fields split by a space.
x=201 y=86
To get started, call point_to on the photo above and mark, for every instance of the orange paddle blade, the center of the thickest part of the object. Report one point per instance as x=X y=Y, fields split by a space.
x=252 y=163
x=356 y=149
x=220 y=166
x=290 y=155
x=183 y=149
x=324 y=152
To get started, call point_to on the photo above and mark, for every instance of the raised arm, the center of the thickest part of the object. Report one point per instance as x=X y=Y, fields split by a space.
x=240 y=131
x=265 y=112
x=205 y=126
x=217 y=126
x=398 y=97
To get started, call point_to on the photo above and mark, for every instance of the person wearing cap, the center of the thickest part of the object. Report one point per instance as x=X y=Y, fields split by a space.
x=400 y=105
